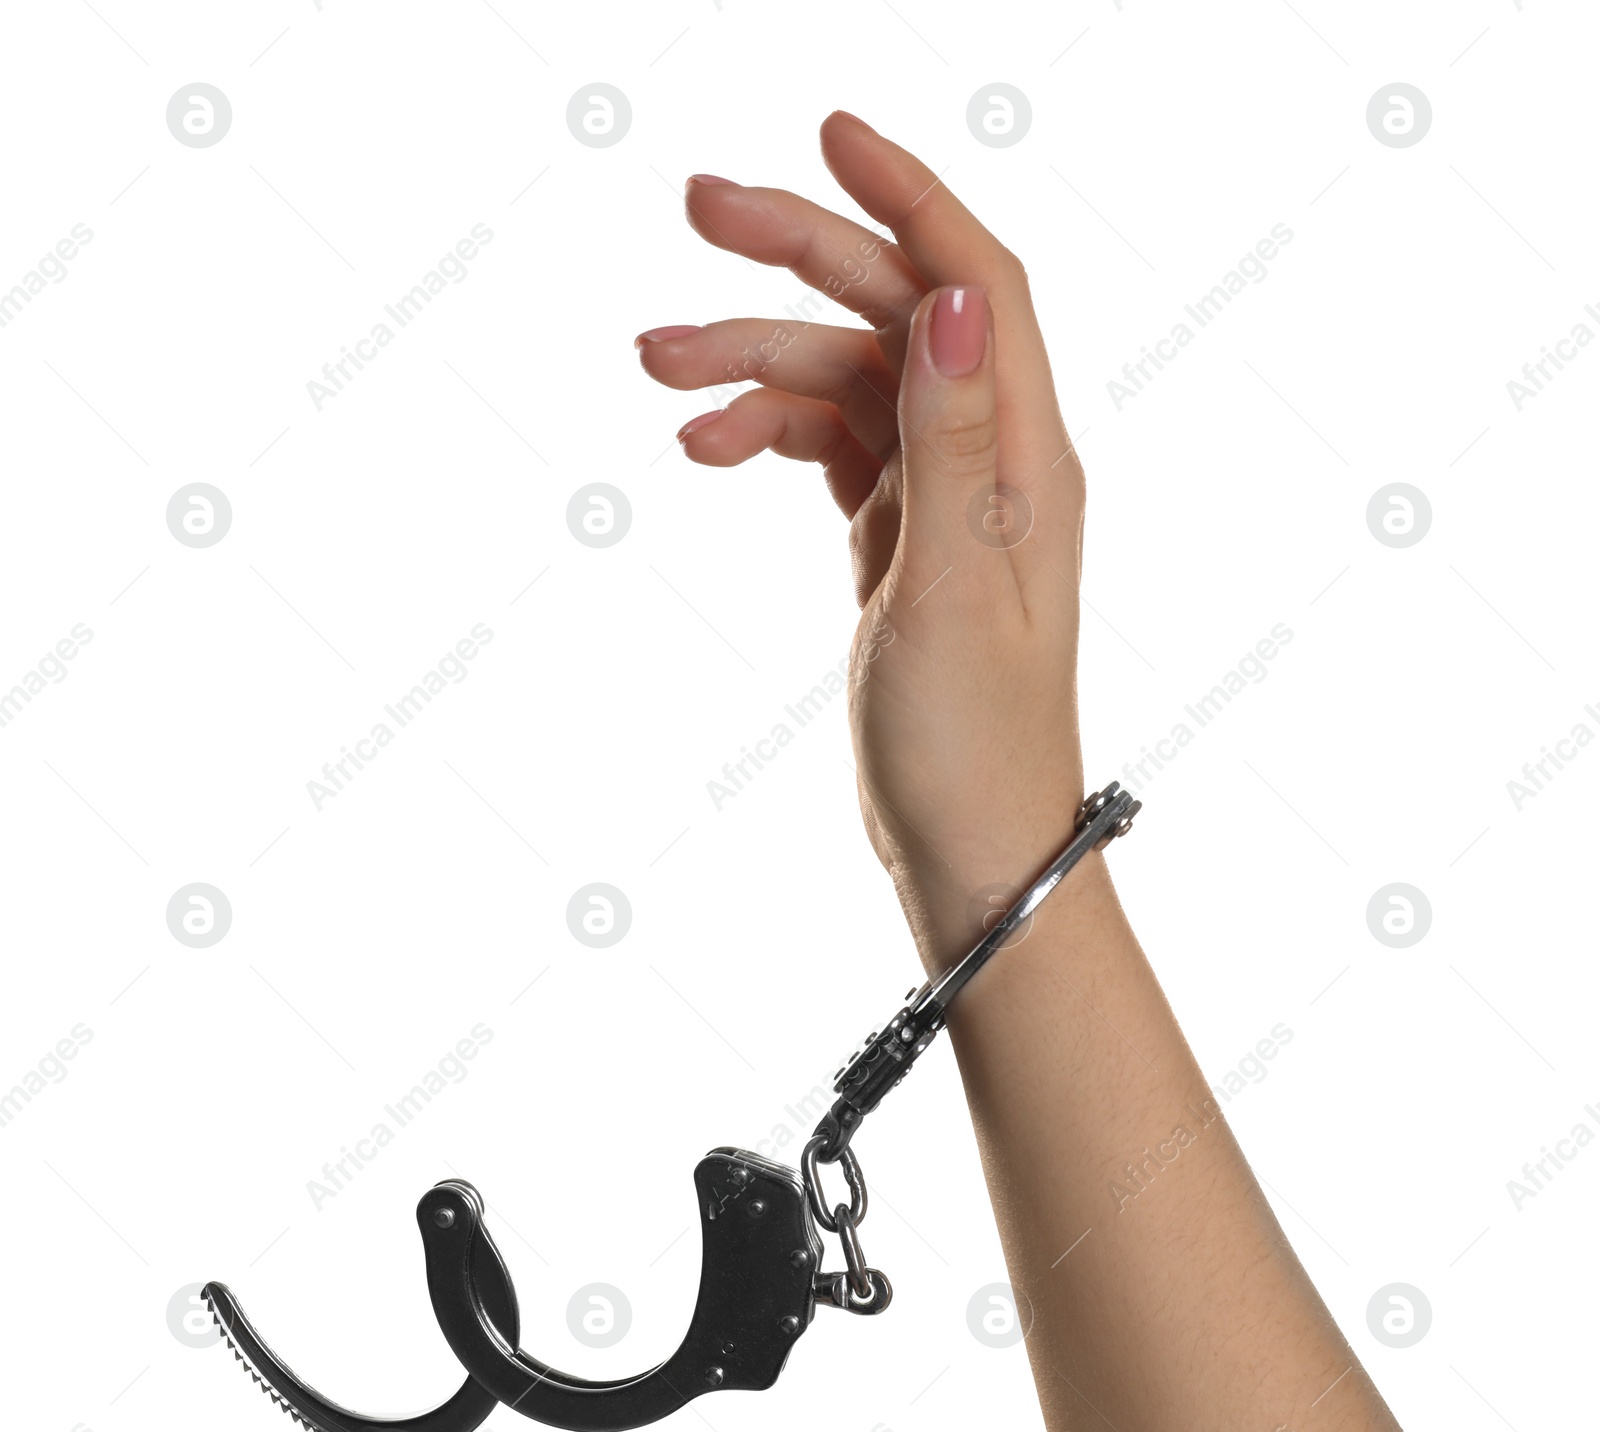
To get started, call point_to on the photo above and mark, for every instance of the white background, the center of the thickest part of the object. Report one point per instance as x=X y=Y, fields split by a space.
x=369 y=537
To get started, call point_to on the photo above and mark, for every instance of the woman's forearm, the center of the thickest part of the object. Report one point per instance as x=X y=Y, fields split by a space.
x=1180 y=1302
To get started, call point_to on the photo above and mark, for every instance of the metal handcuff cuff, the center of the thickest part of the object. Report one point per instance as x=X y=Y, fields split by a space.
x=760 y=1278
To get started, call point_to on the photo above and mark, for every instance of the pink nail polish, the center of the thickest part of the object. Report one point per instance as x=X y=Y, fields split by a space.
x=856 y=119
x=958 y=330
x=658 y=335
x=710 y=179
x=695 y=424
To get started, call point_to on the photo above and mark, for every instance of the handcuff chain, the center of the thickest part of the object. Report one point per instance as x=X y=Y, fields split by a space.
x=868 y=1290
x=851 y=1167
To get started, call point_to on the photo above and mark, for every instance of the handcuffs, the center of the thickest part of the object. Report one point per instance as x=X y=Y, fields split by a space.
x=761 y=1276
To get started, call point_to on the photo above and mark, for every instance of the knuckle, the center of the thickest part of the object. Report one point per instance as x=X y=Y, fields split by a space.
x=970 y=439
x=1012 y=268
x=838 y=388
x=886 y=316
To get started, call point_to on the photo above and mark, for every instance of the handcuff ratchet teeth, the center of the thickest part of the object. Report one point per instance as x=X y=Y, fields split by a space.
x=760 y=1274
x=468 y=1409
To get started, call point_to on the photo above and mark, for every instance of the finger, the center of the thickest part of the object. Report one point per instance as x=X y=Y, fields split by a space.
x=950 y=440
x=834 y=255
x=800 y=428
x=948 y=245
x=875 y=531
x=842 y=366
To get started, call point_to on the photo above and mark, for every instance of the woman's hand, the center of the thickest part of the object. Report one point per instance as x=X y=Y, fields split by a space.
x=941 y=441
x=940 y=438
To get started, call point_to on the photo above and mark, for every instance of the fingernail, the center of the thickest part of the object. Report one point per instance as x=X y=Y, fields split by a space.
x=658 y=335
x=958 y=330
x=695 y=424
x=856 y=119
x=710 y=179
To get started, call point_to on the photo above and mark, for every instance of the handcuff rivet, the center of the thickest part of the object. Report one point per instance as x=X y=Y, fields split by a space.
x=740 y=1175
x=790 y=1324
x=758 y=1207
x=444 y=1217
x=714 y=1376
x=799 y=1259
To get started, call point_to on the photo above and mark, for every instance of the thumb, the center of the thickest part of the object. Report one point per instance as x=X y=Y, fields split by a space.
x=949 y=436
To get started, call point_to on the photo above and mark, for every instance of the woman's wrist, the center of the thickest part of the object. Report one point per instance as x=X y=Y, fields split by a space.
x=950 y=912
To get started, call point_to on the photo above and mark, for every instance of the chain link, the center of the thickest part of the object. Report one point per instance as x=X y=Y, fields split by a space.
x=847 y=1161
x=855 y=1259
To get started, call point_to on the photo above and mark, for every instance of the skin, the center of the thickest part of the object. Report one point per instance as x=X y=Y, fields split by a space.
x=1183 y=1305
